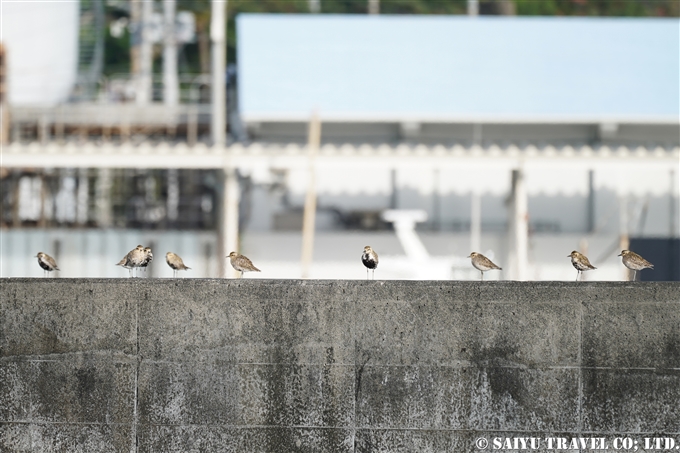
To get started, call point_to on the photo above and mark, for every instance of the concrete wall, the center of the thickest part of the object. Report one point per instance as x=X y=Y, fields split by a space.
x=196 y=365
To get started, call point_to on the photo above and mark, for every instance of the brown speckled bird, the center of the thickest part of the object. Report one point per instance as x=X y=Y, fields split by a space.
x=241 y=263
x=47 y=263
x=370 y=260
x=482 y=263
x=634 y=262
x=175 y=263
x=133 y=259
x=580 y=262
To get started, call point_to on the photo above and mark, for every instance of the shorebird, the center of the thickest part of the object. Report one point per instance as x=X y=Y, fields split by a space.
x=133 y=259
x=148 y=257
x=241 y=263
x=580 y=262
x=46 y=262
x=482 y=263
x=176 y=263
x=634 y=262
x=370 y=260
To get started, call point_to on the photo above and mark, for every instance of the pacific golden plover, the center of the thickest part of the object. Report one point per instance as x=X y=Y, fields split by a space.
x=47 y=263
x=133 y=259
x=370 y=260
x=241 y=263
x=175 y=263
x=580 y=262
x=482 y=263
x=634 y=262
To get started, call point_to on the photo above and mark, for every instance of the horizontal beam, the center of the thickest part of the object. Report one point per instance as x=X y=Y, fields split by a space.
x=148 y=155
x=354 y=117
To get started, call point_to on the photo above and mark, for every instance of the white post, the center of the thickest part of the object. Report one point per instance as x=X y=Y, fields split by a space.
x=170 y=79
x=314 y=6
x=373 y=6
x=228 y=228
x=309 y=215
x=518 y=229
x=144 y=93
x=475 y=222
x=218 y=24
x=624 y=239
x=473 y=7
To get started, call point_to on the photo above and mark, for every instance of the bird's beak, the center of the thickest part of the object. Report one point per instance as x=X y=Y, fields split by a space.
x=568 y=256
x=620 y=254
x=469 y=256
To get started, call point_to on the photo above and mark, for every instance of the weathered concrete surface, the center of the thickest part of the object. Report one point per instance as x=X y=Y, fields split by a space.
x=334 y=366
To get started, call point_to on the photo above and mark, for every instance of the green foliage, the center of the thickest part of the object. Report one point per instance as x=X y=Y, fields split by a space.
x=613 y=8
x=116 y=53
x=117 y=50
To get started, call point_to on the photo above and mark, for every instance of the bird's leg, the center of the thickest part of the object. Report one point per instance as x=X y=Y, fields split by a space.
x=241 y=274
x=482 y=272
x=44 y=273
x=577 y=274
x=634 y=275
x=373 y=274
x=366 y=273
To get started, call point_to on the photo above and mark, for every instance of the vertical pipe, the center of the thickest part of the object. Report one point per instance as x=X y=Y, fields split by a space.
x=56 y=249
x=309 y=216
x=82 y=198
x=475 y=222
x=192 y=125
x=673 y=205
x=43 y=129
x=59 y=125
x=373 y=6
x=102 y=190
x=522 y=231
x=477 y=134
x=16 y=222
x=436 y=202
x=135 y=35
x=218 y=26
x=170 y=80
x=4 y=111
x=173 y=195
x=591 y=202
x=624 y=240
x=152 y=271
x=144 y=86
x=42 y=221
x=394 y=201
